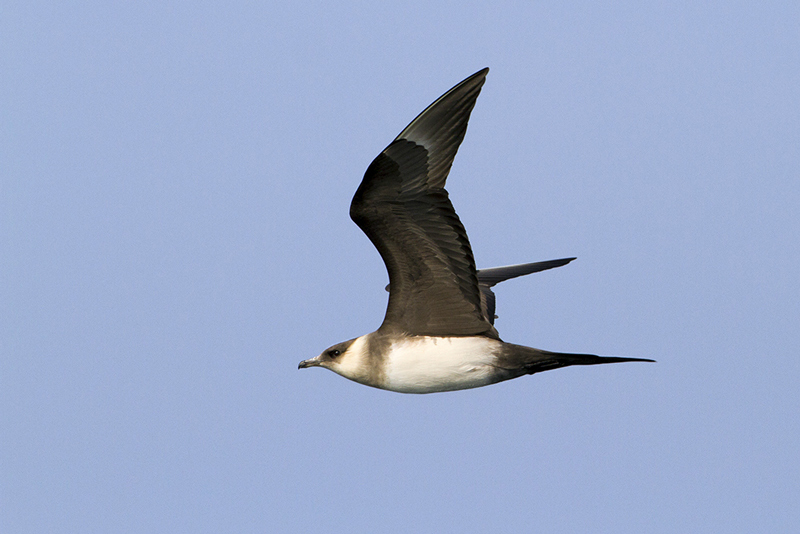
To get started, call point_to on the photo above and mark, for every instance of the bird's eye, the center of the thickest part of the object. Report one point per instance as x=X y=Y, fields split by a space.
x=334 y=353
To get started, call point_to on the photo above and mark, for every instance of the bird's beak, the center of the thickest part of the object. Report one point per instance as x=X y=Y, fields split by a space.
x=313 y=362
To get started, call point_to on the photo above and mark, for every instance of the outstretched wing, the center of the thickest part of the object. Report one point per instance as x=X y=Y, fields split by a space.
x=405 y=211
x=489 y=277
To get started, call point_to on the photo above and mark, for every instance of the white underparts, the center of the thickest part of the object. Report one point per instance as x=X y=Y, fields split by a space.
x=429 y=364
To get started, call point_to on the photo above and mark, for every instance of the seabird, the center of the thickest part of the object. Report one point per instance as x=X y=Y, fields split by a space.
x=438 y=333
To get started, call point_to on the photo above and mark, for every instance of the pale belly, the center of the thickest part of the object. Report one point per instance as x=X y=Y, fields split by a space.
x=430 y=364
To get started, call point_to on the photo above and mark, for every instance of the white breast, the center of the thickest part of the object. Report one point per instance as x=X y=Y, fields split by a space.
x=429 y=364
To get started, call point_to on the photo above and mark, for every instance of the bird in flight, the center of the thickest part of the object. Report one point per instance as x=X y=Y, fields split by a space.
x=438 y=333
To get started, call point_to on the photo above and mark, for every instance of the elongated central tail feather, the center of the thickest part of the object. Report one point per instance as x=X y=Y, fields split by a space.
x=519 y=360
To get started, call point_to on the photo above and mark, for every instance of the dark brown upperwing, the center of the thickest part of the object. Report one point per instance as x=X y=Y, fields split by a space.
x=405 y=211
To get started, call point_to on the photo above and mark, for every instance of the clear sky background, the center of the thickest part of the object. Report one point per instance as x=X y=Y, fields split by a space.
x=174 y=239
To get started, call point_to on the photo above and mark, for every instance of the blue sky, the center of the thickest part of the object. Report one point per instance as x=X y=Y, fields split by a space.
x=174 y=239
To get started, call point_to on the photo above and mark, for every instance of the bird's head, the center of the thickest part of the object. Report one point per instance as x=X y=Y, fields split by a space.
x=345 y=358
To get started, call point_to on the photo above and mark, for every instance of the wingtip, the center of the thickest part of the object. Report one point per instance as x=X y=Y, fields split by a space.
x=480 y=74
x=564 y=261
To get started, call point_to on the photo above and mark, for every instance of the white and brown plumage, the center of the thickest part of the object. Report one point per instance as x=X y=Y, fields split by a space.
x=438 y=333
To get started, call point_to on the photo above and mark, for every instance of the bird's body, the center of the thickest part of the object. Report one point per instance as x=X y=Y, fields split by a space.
x=422 y=364
x=438 y=333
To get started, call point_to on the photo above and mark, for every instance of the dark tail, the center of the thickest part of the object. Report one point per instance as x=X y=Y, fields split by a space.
x=520 y=360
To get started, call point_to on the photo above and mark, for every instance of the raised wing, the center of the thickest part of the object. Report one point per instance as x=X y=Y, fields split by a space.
x=405 y=211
